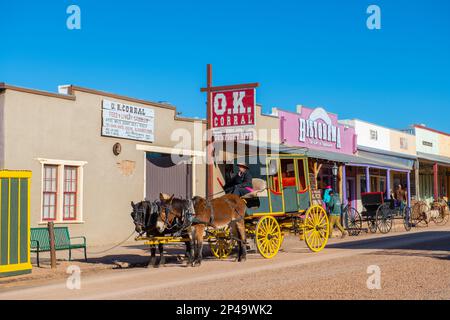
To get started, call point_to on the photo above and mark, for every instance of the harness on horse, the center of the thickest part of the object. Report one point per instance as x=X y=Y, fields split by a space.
x=180 y=224
x=211 y=217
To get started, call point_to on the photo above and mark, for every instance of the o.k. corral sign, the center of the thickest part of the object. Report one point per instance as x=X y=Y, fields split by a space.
x=126 y=121
x=233 y=114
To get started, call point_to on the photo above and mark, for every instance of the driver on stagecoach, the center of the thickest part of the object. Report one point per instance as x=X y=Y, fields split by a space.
x=239 y=183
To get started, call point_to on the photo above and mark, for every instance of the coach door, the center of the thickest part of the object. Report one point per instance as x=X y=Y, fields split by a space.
x=289 y=185
x=303 y=186
x=163 y=175
x=294 y=184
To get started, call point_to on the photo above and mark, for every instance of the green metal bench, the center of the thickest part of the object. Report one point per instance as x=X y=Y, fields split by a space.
x=40 y=241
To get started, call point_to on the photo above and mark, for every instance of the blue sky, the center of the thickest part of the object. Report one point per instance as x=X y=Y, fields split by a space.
x=315 y=53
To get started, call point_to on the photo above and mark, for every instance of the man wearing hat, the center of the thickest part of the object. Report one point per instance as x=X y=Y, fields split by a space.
x=241 y=182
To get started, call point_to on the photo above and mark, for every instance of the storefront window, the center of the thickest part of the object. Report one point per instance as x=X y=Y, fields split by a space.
x=70 y=193
x=363 y=184
x=62 y=191
x=50 y=192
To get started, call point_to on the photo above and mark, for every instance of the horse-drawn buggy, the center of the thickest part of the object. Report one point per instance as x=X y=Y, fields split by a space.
x=422 y=213
x=379 y=214
x=279 y=203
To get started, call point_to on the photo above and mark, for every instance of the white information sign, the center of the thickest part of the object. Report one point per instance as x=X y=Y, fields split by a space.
x=127 y=121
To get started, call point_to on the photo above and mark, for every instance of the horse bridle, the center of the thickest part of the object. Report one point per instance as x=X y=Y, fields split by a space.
x=185 y=218
x=141 y=217
x=167 y=209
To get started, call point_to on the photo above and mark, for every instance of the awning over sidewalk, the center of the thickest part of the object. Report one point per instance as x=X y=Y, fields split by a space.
x=363 y=158
x=332 y=156
x=385 y=161
x=434 y=158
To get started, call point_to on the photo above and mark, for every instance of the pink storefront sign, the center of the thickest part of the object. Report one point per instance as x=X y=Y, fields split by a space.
x=316 y=129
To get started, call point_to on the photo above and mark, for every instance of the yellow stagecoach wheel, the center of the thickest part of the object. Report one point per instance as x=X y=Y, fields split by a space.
x=268 y=237
x=223 y=245
x=316 y=228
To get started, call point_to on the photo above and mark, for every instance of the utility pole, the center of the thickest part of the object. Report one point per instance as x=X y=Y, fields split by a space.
x=209 y=141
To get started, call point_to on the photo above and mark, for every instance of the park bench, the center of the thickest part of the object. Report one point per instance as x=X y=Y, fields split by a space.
x=40 y=241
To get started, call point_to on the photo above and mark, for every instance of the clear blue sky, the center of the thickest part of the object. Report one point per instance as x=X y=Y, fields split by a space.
x=315 y=53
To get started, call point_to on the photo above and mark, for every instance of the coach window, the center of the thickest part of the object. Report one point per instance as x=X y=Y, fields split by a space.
x=301 y=175
x=62 y=191
x=273 y=176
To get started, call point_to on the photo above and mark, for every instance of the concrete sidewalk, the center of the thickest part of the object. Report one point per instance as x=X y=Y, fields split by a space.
x=131 y=254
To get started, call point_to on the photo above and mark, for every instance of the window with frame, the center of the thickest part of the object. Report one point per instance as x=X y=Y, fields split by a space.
x=50 y=193
x=404 y=143
x=70 y=193
x=62 y=191
x=373 y=135
x=363 y=184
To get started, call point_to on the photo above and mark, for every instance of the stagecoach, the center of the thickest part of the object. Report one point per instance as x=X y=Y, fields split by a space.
x=281 y=203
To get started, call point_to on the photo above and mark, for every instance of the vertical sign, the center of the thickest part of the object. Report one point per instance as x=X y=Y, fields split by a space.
x=233 y=114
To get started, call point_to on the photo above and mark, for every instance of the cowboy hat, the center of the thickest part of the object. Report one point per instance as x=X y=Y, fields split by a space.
x=241 y=164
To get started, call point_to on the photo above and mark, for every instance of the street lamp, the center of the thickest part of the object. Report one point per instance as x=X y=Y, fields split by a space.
x=335 y=173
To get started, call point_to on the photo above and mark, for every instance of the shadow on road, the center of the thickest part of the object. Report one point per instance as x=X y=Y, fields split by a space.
x=422 y=244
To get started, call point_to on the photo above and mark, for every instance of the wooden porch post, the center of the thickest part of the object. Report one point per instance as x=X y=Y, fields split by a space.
x=367 y=179
x=344 y=184
x=436 y=181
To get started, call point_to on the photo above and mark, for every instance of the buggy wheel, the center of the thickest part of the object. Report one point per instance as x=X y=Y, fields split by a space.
x=222 y=246
x=419 y=214
x=268 y=237
x=316 y=228
x=354 y=221
x=407 y=223
x=384 y=218
x=442 y=219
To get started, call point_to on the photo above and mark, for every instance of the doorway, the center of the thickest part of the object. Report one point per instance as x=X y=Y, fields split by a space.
x=164 y=176
x=351 y=192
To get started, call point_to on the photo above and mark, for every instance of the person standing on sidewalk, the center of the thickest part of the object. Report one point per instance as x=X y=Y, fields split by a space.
x=335 y=209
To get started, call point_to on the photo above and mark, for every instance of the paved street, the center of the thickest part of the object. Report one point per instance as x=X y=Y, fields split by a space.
x=413 y=265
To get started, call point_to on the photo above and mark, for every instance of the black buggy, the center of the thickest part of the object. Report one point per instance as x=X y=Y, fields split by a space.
x=379 y=213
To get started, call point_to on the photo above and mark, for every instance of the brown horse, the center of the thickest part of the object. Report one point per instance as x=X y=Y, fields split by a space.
x=226 y=211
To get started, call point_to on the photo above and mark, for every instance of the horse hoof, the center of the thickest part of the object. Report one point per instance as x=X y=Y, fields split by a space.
x=243 y=259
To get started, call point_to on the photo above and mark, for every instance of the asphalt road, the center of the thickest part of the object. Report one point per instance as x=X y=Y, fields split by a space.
x=413 y=265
